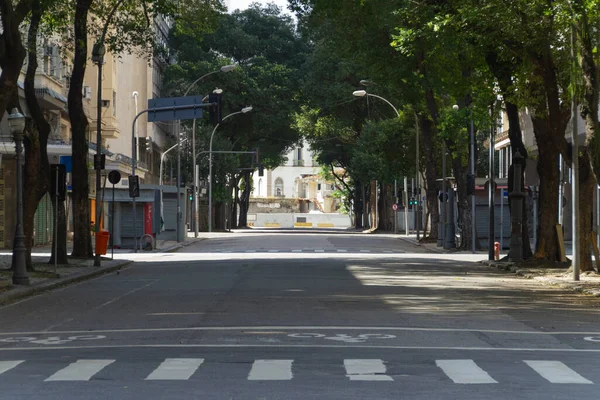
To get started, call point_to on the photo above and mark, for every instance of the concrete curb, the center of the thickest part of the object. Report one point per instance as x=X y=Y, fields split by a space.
x=45 y=286
x=512 y=267
x=178 y=246
x=430 y=248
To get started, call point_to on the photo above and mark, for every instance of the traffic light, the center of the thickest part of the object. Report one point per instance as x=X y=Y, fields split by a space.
x=148 y=144
x=470 y=185
x=134 y=186
x=216 y=110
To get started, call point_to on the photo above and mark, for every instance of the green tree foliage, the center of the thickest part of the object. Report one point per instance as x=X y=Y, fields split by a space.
x=269 y=52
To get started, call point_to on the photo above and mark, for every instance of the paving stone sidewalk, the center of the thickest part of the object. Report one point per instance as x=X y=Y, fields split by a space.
x=589 y=282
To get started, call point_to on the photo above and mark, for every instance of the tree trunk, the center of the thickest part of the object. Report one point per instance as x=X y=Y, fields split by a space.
x=587 y=185
x=235 y=183
x=245 y=202
x=82 y=240
x=12 y=52
x=36 y=173
x=547 y=247
x=504 y=72
x=358 y=206
x=383 y=220
x=589 y=162
x=373 y=203
x=431 y=174
x=463 y=203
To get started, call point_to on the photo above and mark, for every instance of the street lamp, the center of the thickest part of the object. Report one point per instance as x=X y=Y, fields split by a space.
x=16 y=122
x=243 y=111
x=224 y=69
x=363 y=93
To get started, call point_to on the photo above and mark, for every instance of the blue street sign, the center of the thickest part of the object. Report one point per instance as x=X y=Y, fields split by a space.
x=67 y=161
x=504 y=193
x=194 y=111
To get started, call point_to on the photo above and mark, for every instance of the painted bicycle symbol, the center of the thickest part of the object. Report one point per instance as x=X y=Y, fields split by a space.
x=342 y=337
x=50 y=340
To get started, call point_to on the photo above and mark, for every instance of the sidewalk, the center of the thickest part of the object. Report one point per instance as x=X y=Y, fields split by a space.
x=46 y=277
x=589 y=282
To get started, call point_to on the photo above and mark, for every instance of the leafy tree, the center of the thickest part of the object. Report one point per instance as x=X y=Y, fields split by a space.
x=270 y=52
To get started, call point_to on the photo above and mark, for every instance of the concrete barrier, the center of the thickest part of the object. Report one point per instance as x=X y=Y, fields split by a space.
x=300 y=220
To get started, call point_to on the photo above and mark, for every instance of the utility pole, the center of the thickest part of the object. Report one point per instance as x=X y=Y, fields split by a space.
x=574 y=167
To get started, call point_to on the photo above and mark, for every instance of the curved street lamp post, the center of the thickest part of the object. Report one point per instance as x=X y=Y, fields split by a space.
x=363 y=93
x=16 y=122
x=243 y=111
x=225 y=68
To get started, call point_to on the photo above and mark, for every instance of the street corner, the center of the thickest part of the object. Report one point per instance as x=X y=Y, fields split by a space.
x=45 y=278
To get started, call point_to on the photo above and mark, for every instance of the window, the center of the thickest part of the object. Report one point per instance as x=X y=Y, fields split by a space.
x=279 y=187
x=299 y=154
x=259 y=186
x=115 y=104
x=318 y=186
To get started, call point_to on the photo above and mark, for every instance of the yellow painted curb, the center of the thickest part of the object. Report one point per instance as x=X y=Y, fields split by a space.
x=303 y=224
x=325 y=225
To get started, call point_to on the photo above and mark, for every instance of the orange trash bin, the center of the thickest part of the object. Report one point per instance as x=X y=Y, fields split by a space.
x=102 y=242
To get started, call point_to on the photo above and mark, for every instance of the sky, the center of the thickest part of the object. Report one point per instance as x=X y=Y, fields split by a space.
x=243 y=4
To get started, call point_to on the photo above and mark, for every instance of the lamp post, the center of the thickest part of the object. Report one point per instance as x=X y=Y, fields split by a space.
x=98 y=52
x=243 y=111
x=225 y=68
x=363 y=93
x=16 y=122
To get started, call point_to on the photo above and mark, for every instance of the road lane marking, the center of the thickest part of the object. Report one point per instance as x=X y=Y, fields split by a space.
x=250 y=251
x=464 y=371
x=81 y=370
x=342 y=251
x=366 y=370
x=319 y=251
x=302 y=346
x=296 y=328
x=164 y=314
x=556 y=372
x=273 y=251
x=296 y=251
x=365 y=251
x=175 y=369
x=8 y=365
x=271 y=370
x=126 y=294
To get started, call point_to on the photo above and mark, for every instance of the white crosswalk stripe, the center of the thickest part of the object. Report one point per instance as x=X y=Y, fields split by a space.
x=366 y=370
x=460 y=371
x=176 y=369
x=81 y=370
x=556 y=372
x=271 y=370
x=8 y=365
x=464 y=371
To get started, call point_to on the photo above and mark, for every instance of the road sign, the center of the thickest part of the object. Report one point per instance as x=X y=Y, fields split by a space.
x=395 y=207
x=189 y=107
x=504 y=193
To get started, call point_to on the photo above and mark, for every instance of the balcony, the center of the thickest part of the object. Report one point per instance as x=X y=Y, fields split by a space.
x=298 y=163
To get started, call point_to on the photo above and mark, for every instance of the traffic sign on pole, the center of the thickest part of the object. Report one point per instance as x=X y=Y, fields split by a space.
x=175 y=108
x=395 y=207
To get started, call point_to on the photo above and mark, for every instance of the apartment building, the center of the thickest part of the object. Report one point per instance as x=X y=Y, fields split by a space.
x=128 y=81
